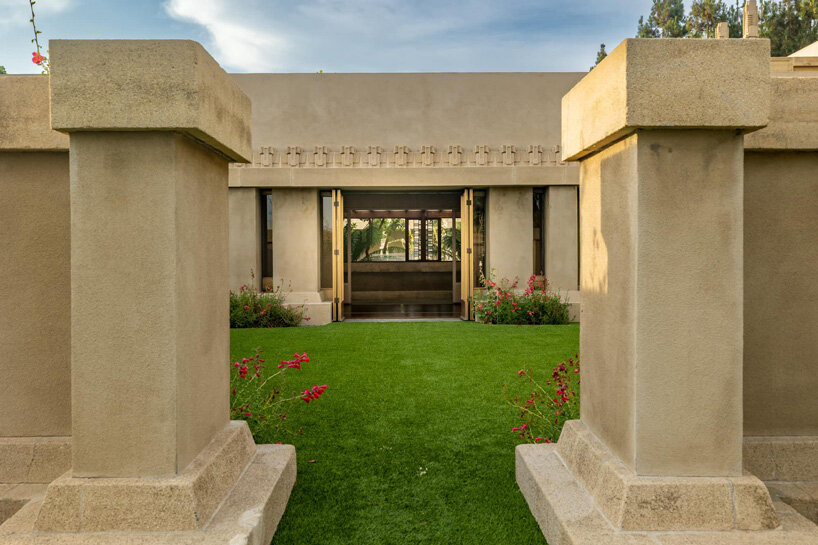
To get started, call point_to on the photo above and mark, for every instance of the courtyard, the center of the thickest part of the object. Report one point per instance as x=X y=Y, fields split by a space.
x=411 y=442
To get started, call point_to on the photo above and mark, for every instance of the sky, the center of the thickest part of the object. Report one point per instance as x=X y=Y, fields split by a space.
x=341 y=35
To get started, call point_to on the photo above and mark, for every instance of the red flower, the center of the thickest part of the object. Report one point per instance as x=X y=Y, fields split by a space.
x=36 y=58
x=246 y=307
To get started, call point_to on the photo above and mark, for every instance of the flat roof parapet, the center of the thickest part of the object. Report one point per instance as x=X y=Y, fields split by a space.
x=24 y=116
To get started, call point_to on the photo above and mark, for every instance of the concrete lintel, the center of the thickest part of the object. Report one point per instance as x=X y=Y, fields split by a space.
x=667 y=84
x=24 y=117
x=141 y=85
x=414 y=177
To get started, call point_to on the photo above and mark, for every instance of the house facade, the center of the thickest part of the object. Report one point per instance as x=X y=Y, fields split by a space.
x=389 y=195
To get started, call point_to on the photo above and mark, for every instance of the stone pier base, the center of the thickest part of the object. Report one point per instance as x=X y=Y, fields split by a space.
x=191 y=508
x=581 y=494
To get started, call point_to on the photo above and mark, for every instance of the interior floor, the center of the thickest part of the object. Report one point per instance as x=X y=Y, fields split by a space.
x=401 y=311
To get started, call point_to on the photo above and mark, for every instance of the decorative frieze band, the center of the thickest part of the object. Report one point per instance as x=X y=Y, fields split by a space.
x=404 y=156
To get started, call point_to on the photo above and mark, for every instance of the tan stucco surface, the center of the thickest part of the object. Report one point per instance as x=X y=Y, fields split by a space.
x=24 y=115
x=297 y=240
x=608 y=282
x=793 y=115
x=562 y=238
x=35 y=294
x=677 y=83
x=781 y=293
x=150 y=273
x=390 y=110
x=662 y=301
x=245 y=238
x=148 y=85
x=510 y=226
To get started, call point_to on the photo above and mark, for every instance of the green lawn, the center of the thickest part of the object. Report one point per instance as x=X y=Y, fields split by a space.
x=411 y=441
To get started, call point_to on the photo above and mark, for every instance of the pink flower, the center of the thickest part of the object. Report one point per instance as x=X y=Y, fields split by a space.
x=246 y=307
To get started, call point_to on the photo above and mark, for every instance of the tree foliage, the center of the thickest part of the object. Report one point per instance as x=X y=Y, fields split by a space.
x=789 y=24
x=601 y=54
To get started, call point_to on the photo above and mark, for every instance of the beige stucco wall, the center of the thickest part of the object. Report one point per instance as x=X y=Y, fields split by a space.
x=662 y=301
x=35 y=302
x=245 y=238
x=510 y=228
x=406 y=109
x=562 y=238
x=150 y=274
x=781 y=293
x=297 y=239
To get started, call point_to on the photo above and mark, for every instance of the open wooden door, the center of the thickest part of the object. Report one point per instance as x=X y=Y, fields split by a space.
x=337 y=256
x=466 y=254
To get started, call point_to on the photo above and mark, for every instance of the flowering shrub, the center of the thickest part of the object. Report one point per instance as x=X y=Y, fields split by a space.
x=544 y=411
x=258 y=396
x=500 y=303
x=251 y=308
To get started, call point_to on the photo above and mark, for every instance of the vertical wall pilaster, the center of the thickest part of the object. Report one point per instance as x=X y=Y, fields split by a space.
x=245 y=237
x=510 y=226
x=562 y=237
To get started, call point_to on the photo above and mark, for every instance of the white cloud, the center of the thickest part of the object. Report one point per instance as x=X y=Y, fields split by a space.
x=18 y=12
x=239 y=39
x=407 y=35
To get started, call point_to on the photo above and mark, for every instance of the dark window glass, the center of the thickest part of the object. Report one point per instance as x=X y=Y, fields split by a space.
x=539 y=232
x=479 y=243
x=266 y=234
x=326 y=239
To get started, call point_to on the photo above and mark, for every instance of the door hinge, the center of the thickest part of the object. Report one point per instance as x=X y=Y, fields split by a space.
x=337 y=300
x=336 y=251
x=337 y=204
x=468 y=250
x=468 y=202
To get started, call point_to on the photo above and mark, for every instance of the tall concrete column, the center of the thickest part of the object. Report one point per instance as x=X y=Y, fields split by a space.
x=35 y=291
x=658 y=129
x=297 y=251
x=245 y=237
x=510 y=226
x=153 y=125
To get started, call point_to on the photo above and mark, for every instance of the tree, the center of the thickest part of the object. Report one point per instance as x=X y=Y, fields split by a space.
x=2 y=69
x=666 y=20
x=601 y=54
x=789 y=24
x=705 y=15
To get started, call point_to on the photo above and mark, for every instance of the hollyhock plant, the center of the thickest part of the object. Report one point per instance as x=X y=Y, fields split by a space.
x=544 y=410
x=500 y=302
x=260 y=397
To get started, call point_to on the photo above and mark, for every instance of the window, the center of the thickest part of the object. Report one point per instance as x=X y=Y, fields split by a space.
x=376 y=239
x=479 y=242
x=266 y=234
x=539 y=232
x=400 y=239
x=326 y=239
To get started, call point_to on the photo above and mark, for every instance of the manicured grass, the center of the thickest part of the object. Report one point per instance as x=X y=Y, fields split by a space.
x=411 y=441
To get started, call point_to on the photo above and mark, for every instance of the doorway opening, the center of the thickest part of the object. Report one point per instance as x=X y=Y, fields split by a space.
x=398 y=255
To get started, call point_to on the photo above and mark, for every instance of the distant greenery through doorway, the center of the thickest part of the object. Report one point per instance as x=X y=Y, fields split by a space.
x=412 y=442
